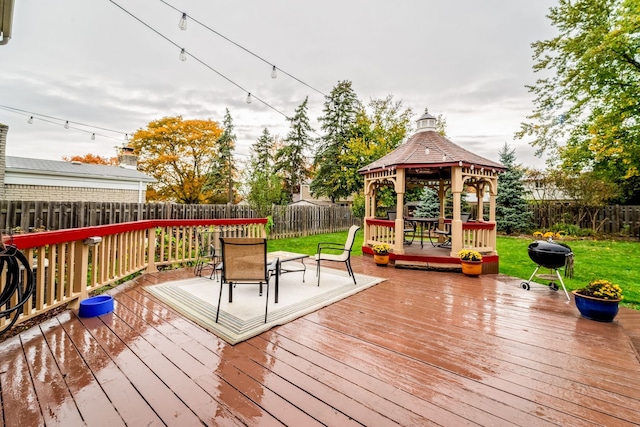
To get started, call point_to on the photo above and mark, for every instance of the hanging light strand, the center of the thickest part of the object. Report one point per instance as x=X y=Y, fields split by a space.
x=245 y=49
x=64 y=123
x=197 y=59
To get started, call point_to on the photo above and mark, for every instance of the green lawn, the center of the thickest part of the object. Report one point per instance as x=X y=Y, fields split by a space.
x=594 y=259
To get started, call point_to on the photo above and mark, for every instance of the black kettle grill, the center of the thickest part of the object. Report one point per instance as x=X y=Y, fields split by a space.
x=551 y=255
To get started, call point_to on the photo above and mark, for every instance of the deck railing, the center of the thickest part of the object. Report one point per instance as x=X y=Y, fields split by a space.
x=69 y=264
x=475 y=235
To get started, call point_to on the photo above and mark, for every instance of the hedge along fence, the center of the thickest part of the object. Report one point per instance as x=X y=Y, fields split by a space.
x=613 y=219
x=288 y=221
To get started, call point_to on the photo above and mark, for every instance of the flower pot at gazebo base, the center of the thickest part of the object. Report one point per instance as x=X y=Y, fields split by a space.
x=381 y=260
x=471 y=268
x=602 y=310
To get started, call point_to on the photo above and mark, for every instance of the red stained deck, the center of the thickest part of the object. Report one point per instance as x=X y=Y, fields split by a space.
x=422 y=348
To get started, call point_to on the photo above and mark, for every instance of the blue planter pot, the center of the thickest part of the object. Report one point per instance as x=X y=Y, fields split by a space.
x=591 y=308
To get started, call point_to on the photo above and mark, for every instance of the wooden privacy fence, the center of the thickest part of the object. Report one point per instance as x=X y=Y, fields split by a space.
x=295 y=221
x=614 y=219
x=288 y=221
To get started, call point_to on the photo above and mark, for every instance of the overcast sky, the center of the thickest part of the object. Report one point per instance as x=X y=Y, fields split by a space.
x=91 y=62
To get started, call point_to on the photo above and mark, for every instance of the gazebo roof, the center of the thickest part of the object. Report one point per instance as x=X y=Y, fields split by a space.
x=428 y=149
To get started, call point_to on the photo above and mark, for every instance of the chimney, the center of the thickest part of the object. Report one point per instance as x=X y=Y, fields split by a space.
x=127 y=159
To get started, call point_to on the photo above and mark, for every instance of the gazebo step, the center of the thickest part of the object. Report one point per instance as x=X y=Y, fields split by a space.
x=423 y=265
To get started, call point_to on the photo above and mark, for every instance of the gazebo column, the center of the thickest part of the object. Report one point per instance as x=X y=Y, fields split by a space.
x=369 y=206
x=457 y=184
x=493 y=192
x=398 y=247
x=480 y=196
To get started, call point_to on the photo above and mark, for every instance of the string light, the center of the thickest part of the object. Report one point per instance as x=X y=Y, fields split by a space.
x=239 y=46
x=249 y=98
x=274 y=73
x=197 y=59
x=183 y=22
x=183 y=55
x=67 y=124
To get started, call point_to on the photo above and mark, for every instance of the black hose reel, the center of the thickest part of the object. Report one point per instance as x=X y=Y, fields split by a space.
x=17 y=286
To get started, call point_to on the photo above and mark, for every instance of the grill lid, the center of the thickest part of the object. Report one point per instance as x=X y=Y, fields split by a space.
x=549 y=254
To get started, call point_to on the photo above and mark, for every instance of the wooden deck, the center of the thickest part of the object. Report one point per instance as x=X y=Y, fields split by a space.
x=423 y=348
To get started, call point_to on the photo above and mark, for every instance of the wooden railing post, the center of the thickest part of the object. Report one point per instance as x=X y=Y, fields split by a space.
x=80 y=272
x=151 y=251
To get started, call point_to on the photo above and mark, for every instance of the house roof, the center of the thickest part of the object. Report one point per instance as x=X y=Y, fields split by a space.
x=75 y=169
x=429 y=149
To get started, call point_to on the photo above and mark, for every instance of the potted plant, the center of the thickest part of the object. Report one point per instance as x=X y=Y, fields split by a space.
x=598 y=300
x=471 y=262
x=381 y=254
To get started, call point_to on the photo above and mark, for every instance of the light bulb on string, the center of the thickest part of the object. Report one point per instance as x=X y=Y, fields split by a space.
x=126 y=136
x=66 y=124
x=183 y=55
x=183 y=22
x=249 y=98
x=30 y=121
x=274 y=72
x=93 y=136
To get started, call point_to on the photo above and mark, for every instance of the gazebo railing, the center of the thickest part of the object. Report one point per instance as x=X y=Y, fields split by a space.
x=475 y=235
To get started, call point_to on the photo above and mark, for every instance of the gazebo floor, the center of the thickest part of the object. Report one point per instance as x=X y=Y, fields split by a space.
x=422 y=348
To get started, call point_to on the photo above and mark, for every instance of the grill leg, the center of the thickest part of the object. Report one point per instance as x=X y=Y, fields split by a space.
x=562 y=283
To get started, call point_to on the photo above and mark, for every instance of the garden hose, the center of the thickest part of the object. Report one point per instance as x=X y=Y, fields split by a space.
x=19 y=284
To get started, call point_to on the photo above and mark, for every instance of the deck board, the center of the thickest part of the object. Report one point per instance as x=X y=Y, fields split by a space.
x=422 y=348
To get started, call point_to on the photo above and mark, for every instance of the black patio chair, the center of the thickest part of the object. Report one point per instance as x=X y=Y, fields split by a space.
x=464 y=217
x=209 y=256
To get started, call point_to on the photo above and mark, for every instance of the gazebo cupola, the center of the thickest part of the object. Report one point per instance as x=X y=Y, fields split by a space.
x=426 y=122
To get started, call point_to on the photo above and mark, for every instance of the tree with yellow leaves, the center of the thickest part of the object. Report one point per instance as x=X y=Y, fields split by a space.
x=180 y=155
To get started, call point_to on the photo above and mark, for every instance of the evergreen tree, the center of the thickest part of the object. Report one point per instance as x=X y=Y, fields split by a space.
x=265 y=186
x=225 y=169
x=291 y=161
x=512 y=210
x=339 y=119
x=429 y=206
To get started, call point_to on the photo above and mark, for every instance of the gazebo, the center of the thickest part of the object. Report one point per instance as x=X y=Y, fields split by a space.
x=429 y=159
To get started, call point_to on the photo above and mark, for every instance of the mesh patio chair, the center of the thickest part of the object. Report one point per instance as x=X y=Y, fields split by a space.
x=336 y=252
x=244 y=261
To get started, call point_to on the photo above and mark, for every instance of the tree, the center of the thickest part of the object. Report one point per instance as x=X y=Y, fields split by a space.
x=587 y=191
x=291 y=159
x=371 y=133
x=429 y=206
x=180 y=155
x=221 y=184
x=265 y=186
x=92 y=159
x=340 y=113
x=512 y=212
x=590 y=92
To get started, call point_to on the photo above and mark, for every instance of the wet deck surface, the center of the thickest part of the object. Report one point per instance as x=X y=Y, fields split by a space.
x=422 y=348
